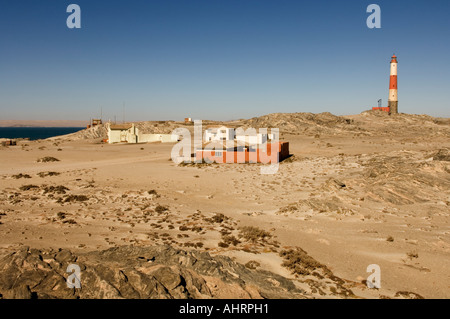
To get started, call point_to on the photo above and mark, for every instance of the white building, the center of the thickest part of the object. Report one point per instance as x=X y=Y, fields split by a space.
x=219 y=134
x=128 y=133
x=252 y=139
x=124 y=133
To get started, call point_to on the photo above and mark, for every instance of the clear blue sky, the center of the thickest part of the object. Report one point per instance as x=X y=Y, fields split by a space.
x=219 y=59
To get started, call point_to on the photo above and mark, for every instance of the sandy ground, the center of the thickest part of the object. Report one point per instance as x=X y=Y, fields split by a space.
x=349 y=200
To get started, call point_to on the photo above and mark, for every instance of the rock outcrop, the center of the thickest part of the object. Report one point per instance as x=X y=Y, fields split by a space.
x=131 y=272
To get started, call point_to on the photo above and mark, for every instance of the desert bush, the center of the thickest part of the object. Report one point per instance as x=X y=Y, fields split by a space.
x=18 y=176
x=28 y=187
x=161 y=209
x=47 y=159
x=75 y=198
x=253 y=234
x=223 y=245
x=197 y=229
x=55 y=189
x=412 y=255
x=300 y=263
x=231 y=240
x=217 y=218
x=44 y=174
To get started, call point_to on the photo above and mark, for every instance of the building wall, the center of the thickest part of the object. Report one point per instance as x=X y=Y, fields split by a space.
x=151 y=138
x=167 y=138
x=131 y=138
x=114 y=136
x=272 y=136
x=247 y=156
x=252 y=139
x=284 y=150
x=217 y=135
x=384 y=109
x=133 y=135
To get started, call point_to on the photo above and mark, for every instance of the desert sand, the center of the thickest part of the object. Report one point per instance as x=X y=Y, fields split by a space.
x=358 y=190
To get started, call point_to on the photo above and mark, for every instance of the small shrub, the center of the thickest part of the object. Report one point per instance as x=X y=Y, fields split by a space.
x=47 y=159
x=75 y=198
x=44 y=174
x=217 y=218
x=412 y=255
x=254 y=234
x=231 y=240
x=161 y=209
x=196 y=229
x=55 y=189
x=18 y=176
x=28 y=187
x=223 y=245
x=300 y=263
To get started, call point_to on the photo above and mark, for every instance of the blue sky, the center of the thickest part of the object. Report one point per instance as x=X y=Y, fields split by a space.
x=219 y=59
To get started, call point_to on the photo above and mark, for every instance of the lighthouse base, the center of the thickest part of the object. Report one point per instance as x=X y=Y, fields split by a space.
x=393 y=107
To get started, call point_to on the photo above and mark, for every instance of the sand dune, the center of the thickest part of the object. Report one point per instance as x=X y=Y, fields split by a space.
x=359 y=190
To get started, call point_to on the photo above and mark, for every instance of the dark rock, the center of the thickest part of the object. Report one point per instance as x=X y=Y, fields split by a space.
x=167 y=277
x=442 y=155
x=135 y=273
x=64 y=256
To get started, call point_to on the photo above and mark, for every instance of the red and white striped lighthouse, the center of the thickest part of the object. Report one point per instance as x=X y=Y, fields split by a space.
x=393 y=94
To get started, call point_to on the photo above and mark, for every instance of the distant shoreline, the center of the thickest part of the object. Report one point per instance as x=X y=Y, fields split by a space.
x=27 y=126
x=36 y=133
x=43 y=123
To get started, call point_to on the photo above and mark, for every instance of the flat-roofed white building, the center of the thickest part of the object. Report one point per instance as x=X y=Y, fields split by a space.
x=252 y=139
x=219 y=134
x=129 y=133
x=122 y=133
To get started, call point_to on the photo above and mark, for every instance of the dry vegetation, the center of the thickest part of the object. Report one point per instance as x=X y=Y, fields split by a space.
x=47 y=159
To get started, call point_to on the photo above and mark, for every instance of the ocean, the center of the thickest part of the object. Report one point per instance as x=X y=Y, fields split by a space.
x=36 y=133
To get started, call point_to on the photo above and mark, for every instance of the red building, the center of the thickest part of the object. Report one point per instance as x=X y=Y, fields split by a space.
x=384 y=109
x=268 y=153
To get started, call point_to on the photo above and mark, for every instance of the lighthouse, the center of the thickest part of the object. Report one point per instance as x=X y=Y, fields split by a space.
x=393 y=94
